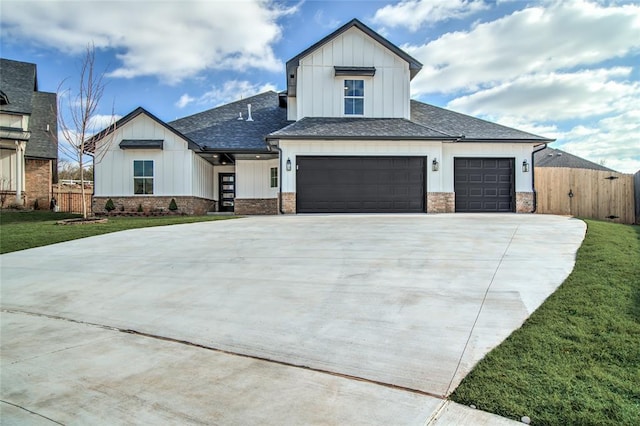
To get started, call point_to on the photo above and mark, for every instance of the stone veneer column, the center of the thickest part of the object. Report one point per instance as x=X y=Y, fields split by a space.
x=441 y=202
x=289 y=202
x=524 y=202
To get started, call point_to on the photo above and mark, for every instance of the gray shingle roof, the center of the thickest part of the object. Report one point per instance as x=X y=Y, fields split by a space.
x=220 y=129
x=457 y=124
x=18 y=81
x=356 y=128
x=43 y=143
x=550 y=157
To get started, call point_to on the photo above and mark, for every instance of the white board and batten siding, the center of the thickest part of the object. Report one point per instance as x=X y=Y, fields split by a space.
x=321 y=94
x=253 y=179
x=177 y=169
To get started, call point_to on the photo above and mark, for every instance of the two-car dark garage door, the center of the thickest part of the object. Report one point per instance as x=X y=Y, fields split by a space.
x=484 y=184
x=360 y=184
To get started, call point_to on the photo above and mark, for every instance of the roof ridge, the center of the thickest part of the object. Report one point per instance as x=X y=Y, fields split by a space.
x=431 y=128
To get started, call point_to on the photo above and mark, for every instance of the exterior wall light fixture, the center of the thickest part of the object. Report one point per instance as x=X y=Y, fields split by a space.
x=525 y=166
x=288 y=164
x=435 y=166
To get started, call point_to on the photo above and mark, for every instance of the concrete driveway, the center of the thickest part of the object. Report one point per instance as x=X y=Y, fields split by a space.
x=359 y=319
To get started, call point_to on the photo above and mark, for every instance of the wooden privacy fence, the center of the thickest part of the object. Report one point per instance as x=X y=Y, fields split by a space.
x=69 y=198
x=586 y=193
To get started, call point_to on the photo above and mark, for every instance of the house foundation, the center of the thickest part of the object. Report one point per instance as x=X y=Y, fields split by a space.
x=256 y=206
x=524 y=202
x=289 y=202
x=186 y=205
x=441 y=202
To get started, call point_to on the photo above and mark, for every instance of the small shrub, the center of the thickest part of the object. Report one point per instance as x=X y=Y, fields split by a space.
x=140 y=209
x=109 y=206
x=121 y=208
x=36 y=206
x=172 y=205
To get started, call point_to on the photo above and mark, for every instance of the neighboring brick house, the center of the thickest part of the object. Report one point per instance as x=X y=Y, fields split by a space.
x=28 y=136
x=344 y=137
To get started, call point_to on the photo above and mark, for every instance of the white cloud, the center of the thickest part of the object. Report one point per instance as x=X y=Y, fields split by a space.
x=533 y=40
x=184 y=101
x=413 y=14
x=614 y=140
x=555 y=96
x=169 y=39
x=230 y=91
x=101 y=121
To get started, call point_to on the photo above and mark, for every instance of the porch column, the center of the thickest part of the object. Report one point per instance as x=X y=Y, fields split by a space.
x=20 y=146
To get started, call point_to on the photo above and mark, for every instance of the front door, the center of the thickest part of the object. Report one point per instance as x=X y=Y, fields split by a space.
x=227 y=185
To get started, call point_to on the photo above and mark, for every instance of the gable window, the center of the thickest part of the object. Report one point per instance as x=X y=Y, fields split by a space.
x=143 y=176
x=274 y=177
x=354 y=97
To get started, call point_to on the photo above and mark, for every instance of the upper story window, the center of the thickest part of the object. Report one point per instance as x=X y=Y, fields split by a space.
x=143 y=176
x=354 y=97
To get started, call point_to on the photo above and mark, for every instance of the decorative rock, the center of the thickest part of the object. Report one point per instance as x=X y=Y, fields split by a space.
x=526 y=420
x=473 y=406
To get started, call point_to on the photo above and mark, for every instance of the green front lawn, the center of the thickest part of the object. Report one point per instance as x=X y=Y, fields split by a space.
x=21 y=230
x=576 y=360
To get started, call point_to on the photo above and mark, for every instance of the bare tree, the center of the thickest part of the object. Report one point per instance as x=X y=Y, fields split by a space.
x=77 y=112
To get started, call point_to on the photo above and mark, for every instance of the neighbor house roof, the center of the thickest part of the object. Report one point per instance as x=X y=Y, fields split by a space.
x=18 y=82
x=356 y=128
x=19 y=85
x=292 y=64
x=466 y=127
x=221 y=129
x=43 y=126
x=550 y=157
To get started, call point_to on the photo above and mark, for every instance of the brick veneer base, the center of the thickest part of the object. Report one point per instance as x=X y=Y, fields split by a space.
x=251 y=206
x=187 y=205
x=289 y=202
x=441 y=202
x=524 y=202
x=38 y=180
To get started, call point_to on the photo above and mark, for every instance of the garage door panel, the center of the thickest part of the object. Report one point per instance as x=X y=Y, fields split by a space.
x=360 y=184
x=484 y=184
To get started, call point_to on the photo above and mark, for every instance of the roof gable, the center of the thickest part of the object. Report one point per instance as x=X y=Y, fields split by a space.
x=292 y=64
x=129 y=117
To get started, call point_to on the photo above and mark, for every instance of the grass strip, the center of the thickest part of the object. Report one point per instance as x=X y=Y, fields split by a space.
x=22 y=230
x=576 y=360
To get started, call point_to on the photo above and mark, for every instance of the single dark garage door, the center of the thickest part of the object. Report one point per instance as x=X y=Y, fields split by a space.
x=360 y=184
x=484 y=184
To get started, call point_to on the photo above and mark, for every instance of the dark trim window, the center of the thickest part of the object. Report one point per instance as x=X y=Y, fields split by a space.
x=273 y=177
x=143 y=176
x=354 y=97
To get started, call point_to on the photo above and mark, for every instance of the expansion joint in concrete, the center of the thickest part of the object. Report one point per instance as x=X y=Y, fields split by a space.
x=224 y=351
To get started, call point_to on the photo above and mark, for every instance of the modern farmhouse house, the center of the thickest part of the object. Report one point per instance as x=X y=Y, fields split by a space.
x=344 y=137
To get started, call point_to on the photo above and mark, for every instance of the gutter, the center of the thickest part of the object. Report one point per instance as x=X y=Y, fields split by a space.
x=533 y=177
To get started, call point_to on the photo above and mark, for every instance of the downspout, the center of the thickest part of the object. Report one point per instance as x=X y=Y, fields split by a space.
x=533 y=177
x=280 y=178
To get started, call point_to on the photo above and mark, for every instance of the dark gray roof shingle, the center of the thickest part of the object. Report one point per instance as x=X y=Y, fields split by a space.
x=43 y=143
x=457 y=124
x=220 y=129
x=356 y=128
x=550 y=157
x=18 y=82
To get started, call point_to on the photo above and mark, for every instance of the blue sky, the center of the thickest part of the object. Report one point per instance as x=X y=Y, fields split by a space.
x=565 y=69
